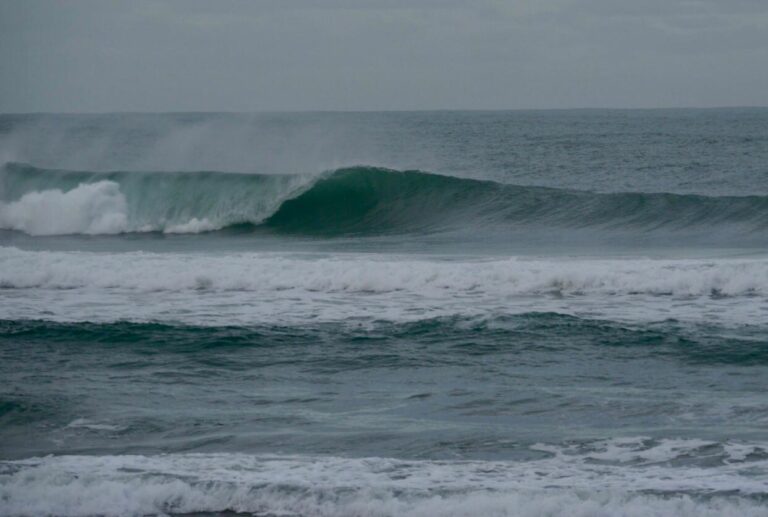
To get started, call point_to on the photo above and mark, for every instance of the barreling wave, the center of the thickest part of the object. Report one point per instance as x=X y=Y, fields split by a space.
x=54 y=202
x=351 y=201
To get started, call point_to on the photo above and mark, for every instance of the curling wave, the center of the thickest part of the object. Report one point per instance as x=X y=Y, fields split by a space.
x=55 y=202
x=349 y=201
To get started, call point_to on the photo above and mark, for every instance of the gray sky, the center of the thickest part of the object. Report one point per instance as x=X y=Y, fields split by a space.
x=227 y=55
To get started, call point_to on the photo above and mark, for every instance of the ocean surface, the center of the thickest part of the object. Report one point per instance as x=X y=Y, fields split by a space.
x=516 y=313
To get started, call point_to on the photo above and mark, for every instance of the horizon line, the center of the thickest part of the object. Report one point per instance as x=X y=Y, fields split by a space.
x=426 y=110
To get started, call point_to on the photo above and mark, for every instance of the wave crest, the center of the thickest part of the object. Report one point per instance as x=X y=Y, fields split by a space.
x=90 y=208
x=357 y=200
x=53 y=202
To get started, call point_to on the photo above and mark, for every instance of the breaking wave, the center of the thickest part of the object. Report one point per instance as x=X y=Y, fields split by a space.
x=620 y=477
x=52 y=202
x=269 y=273
x=350 y=201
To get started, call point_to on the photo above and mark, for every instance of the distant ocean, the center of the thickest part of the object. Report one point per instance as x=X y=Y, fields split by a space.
x=525 y=313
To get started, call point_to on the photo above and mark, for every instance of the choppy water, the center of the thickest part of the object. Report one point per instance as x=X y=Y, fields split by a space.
x=492 y=313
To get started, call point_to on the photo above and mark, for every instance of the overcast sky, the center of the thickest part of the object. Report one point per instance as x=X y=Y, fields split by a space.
x=227 y=55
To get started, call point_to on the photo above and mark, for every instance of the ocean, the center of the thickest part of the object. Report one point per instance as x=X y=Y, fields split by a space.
x=503 y=313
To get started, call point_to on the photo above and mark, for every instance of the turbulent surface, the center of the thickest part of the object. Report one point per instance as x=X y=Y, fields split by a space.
x=475 y=405
x=223 y=288
x=520 y=313
x=51 y=202
x=556 y=484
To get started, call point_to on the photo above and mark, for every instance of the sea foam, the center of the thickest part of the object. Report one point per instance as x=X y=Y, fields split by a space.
x=364 y=273
x=356 y=201
x=89 y=208
x=567 y=481
x=290 y=288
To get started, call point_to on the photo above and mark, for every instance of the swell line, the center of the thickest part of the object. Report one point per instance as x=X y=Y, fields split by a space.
x=350 y=201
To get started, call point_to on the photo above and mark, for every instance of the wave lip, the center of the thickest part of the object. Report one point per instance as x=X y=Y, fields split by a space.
x=89 y=208
x=55 y=202
x=365 y=200
x=350 y=201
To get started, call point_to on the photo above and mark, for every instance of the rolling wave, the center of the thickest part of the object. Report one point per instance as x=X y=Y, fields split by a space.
x=350 y=201
x=638 y=476
x=55 y=202
x=456 y=338
x=216 y=288
x=362 y=274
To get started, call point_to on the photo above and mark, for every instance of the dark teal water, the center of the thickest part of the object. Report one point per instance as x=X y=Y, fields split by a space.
x=502 y=313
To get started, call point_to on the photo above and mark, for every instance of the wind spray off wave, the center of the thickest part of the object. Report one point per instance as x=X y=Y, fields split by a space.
x=568 y=315
x=350 y=201
x=52 y=202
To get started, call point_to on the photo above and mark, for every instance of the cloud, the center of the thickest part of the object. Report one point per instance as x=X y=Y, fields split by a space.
x=380 y=54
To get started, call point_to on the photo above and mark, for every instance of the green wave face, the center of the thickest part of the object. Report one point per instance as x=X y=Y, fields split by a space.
x=349 y=201
x=366 y=200
x=143 y=201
